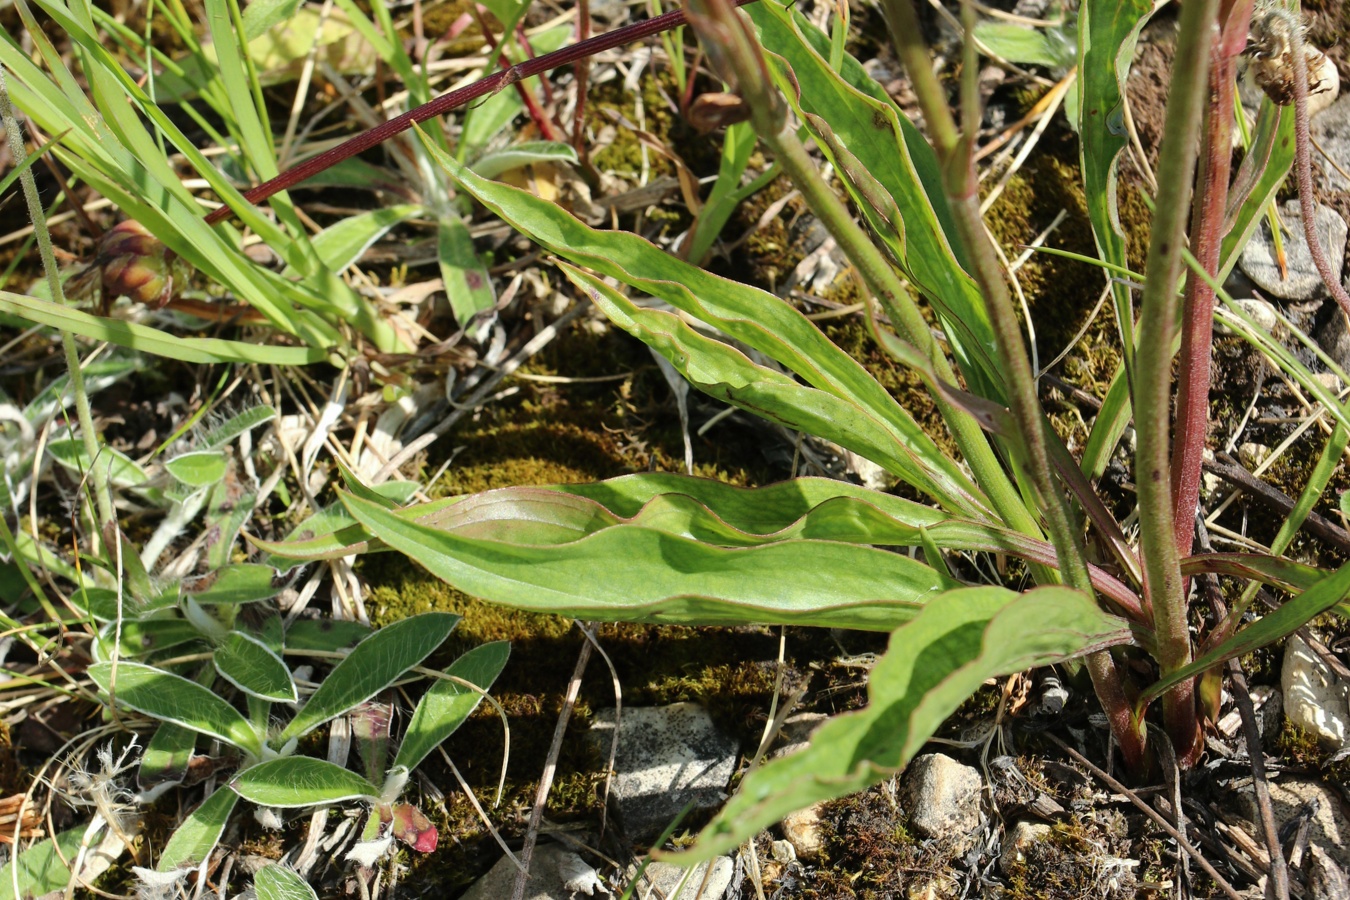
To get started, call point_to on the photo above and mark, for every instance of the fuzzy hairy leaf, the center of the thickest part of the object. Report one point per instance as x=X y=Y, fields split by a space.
x=294 y=781
x=172 y=698
x=194 y=840
x=446 y=705
x=250 y=665
x=373 y=665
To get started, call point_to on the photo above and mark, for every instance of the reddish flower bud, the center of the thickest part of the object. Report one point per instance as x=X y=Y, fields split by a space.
x=136 y=265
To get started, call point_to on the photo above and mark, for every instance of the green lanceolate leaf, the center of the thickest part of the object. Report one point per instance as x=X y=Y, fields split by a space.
x=754 y=317
x=172 y=698
x=234 y=584
x=166 y=757
x=1258 y=179
x=373 y=665
x=447 y=704
x=490 y=165
x=1107 y=32
x=1292 y=615
x=888 y=149
x=667 y=578
x=277 y=882
x=293 y=781
x=1024 y=44
x=722 y=371
x=342 y=243
x=248 y=664
x=194 y=840
x=199 y=468
x=142 y=637
x=123 y=471
x=934 y=663
x=218 y=436
x=466 y=278
x=324 y=635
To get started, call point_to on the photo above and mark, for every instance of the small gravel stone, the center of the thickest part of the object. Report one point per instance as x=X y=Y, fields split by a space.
x=942 y=797
x=802 y=830
x=1328 y=827
x=556 y=873
x=1332 y=131
x=1304 y=282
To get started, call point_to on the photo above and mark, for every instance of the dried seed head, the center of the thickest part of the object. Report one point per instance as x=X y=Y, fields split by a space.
x=136 y=265
x=1270 y=49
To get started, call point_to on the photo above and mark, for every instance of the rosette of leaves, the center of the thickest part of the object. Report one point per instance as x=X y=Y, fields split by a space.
x=235 y=697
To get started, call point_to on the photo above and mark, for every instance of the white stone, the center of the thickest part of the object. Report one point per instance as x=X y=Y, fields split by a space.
x=661 y=880
x=667 y=757
x=553 y=868
x=1303 y=282
x=1015 y=843
x=942 y=798
x=1314 y=698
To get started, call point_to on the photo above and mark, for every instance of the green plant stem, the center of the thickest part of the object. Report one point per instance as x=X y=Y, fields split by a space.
x=881 y=279
x=955 y=154
x=98 y=476
x=1207 y=227
x=1158 y=318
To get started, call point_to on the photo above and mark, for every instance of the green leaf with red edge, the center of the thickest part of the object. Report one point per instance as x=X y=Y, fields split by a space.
x=670 y=578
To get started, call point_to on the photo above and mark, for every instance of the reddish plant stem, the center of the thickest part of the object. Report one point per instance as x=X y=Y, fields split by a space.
x=457 y=98
x=1207 y=218
x=1303 y=169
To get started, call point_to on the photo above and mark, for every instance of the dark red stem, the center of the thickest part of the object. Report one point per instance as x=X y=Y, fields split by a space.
x=1207 y=218
x=455 y=99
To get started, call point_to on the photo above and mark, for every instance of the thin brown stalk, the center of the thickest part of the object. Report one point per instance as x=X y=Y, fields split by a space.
x=550 y=767
x=1307 y=194
x=583 y=73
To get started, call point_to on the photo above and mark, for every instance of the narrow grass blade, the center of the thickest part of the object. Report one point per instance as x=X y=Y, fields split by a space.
x=1292 y=615
x=152 y=340
x=754 y=317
